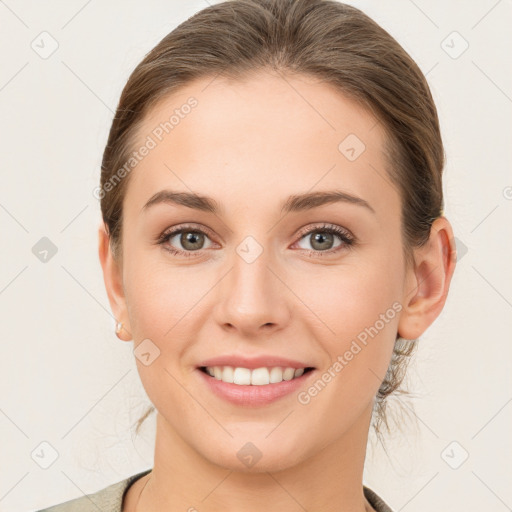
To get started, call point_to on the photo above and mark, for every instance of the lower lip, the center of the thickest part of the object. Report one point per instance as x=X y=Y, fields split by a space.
x=250 y=395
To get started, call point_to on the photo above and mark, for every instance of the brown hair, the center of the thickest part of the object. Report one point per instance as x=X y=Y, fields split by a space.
x=331 y=41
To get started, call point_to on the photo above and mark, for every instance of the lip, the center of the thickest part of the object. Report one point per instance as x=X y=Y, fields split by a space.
x=254 y=362
x=253 y=396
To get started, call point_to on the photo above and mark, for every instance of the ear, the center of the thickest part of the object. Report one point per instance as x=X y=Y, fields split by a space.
x=113 y=278
x=427 y=284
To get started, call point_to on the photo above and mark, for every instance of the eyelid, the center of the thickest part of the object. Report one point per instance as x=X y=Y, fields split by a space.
x=187 y=226
x=325 y=225
x=348 y=240
x=173 y=231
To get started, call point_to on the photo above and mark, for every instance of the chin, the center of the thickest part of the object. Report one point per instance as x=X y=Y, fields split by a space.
x=259 y=455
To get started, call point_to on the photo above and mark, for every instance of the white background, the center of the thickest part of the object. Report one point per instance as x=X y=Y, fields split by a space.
x=67 y=380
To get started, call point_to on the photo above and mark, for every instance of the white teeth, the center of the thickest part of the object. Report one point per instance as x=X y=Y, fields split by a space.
x=288 y=373
x=228 y=374
x=256 y=377
x=242 y=376
x=260 y=377
x=276 y=374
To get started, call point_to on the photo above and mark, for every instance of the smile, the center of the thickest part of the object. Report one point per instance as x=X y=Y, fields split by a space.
x=254 y=387
x=256 y=377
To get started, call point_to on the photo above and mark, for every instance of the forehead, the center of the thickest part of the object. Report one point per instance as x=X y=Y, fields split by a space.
x=268 y=133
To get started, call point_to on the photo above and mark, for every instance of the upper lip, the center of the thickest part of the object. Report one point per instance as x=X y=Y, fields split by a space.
x=253 y=362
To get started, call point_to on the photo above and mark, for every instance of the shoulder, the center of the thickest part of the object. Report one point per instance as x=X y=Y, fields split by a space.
x=108 y=499
x=375 y=500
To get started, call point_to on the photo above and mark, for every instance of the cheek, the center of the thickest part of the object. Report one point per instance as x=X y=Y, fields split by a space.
x=158 y=295
x=356 y=311
x=347 y=299
x=162 y=301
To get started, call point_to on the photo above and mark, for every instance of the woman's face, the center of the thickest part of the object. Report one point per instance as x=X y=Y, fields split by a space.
x=261 y=276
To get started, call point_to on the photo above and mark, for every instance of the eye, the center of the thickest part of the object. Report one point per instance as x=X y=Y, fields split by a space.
x=322 y=239
x=188 y=240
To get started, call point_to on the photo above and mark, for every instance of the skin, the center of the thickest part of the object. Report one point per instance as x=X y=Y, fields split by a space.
x=249 y=145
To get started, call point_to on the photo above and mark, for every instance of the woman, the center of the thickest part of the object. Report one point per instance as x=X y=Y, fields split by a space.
x=252 y=135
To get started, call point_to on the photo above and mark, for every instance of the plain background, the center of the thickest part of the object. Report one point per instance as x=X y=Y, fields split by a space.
x=65 y=378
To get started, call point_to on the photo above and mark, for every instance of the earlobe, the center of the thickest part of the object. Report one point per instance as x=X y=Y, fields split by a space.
x=112 y=277
x=428 y=283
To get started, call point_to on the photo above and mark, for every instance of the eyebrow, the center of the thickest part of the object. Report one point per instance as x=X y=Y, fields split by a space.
x=294 y=203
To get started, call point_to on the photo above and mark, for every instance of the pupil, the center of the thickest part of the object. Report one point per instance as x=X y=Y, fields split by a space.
x=319 y=237
x=189 y=239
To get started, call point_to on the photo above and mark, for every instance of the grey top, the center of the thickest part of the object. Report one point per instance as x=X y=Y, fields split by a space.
x=110 y=499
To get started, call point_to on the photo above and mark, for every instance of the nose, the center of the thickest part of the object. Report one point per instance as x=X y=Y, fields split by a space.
x=252 y=299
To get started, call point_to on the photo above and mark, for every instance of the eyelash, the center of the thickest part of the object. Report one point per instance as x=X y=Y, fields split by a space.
x=347 y=239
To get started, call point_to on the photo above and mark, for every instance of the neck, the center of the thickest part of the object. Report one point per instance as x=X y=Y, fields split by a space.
x=329 y=480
